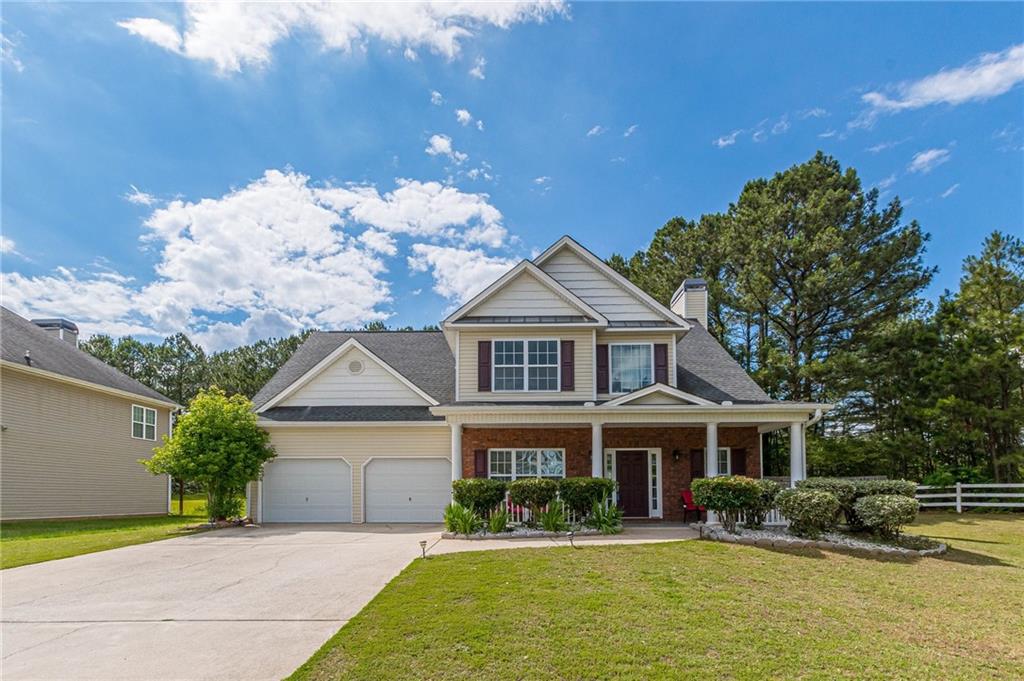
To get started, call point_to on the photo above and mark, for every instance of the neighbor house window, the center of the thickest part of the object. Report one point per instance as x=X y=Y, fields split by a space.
x=143 y=423
x=526 y=365
x=510 y=464
x=632 y=367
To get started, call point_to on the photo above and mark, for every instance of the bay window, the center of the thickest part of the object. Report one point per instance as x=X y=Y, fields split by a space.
x=526 y=365
x=511 y=464
x=631 y=366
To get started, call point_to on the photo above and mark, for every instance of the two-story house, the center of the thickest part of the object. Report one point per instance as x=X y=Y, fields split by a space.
x=561 y=367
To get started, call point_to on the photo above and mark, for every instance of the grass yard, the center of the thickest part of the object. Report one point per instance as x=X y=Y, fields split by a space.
x=698 y=610
x=33 y=541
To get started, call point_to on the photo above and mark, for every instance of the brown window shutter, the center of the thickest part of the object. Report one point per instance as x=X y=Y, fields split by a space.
x=696 y=463
x=483 y=366
x=661 y=363
x=479 y=463
x=602 y=368
x=739 y=461
x=568 y=365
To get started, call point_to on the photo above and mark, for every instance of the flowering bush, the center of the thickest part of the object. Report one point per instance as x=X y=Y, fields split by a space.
x=845 y=492
x=755 y=514
x=727 y=495
x=885 y=514
x=809 y=511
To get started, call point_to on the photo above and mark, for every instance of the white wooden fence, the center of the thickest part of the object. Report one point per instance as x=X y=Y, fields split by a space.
x=962 y=495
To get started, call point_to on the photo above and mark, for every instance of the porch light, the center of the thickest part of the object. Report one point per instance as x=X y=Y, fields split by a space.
x=423 y=547
x=675 y=455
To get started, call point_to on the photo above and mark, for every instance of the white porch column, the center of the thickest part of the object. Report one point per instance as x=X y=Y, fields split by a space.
x=596 y=451
x=456 y=451
x=797 y=469
x=711 y=452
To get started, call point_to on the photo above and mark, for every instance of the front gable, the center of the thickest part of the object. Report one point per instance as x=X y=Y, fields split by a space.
x=658 y=394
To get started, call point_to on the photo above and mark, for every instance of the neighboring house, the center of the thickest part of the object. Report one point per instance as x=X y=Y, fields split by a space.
x=561 y=367
x=72 y=429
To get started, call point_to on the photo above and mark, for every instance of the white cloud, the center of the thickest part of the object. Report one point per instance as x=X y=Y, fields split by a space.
x=727 y=140
x=597 y=130
x=410 y=54
x=816 y=112
x=7 y=55
x=435 y=98
x=827 y=134
x=459 y=273
x=781 y=126
x=949 y=192
x=1009 y=138
x=887 y=182
x=463 y=117
x=441 y=145
x=882 y=146
x=759 y=135
x=990 y=75
x=478 y=68
x=630 y=130
x=139 y=197
x=927 y=160
x=7 y=245
x=236 y=35
x=543 y=179
x=277 y=255
x=480 y=125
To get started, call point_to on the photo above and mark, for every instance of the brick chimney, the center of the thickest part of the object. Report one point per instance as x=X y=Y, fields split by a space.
x=691 y=300
x=59 y=328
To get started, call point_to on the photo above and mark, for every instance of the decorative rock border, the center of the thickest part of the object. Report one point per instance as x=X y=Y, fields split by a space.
x=830 y=541
x=522 y=533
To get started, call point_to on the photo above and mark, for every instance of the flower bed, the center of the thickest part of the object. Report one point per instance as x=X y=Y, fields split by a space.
x=521 y=532
x=906 y=545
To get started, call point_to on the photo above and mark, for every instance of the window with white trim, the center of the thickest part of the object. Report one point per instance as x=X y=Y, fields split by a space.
x=724 y=461
x=143 y=423
x=526 y=365
x=654 y=481
x=631 y=366
x=511 y=464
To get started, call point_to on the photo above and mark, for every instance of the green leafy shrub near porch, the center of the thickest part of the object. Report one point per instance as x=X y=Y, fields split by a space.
x=483 y=494
x=845 y=492
x=533 y=493
x=755 y=515
x=462 y=519
x=580 y=494
x=809 y=511
x=730 y=496
x=886 y=514
x=903 y=488
x=552 y=519
x=605 y=517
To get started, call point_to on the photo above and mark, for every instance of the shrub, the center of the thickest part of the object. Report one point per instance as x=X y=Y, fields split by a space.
x=533 y=493
x=754 y=516
x=727 y=495
x=482 y=493
x=845 y=491
x=885 y=514
x=462 y=519
x=605 y=516
x=809 y=511
x=579 y=494
x=903 y=488
x=225 y=506
x=498 y=522
x=552 y=519
x=942 y=477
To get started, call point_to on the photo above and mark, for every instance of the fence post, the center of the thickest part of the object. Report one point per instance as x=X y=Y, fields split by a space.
x=959 y=508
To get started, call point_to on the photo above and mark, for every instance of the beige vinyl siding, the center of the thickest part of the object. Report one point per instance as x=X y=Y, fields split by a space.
x=67 y=451
x=610 y=337
x=337 y=386
x=596 y=288
x=357 y=445
x=583 y=362
x=524 y=295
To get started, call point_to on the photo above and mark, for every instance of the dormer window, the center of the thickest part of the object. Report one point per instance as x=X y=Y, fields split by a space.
x=525 y=365
x=632 y=366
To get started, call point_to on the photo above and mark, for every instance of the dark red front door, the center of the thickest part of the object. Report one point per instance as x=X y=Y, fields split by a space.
x=631 y=472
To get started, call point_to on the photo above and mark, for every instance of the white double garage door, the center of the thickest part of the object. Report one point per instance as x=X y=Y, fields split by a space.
x=394 y=490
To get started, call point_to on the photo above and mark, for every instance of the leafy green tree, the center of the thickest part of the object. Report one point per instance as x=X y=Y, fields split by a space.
x=217 y=444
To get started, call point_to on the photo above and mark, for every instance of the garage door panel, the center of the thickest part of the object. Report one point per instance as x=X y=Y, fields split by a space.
x=407 y=490
x=307 y=491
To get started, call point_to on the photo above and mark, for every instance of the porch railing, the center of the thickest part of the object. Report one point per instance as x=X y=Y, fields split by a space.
x=520 y=515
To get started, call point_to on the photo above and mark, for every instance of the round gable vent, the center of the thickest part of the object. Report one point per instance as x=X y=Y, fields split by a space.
x=355 y=367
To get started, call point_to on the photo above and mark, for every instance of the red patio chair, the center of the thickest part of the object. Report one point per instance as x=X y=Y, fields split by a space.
x=689 y=505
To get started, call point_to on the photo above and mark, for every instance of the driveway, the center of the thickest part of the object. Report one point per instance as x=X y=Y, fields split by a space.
x=240 y=603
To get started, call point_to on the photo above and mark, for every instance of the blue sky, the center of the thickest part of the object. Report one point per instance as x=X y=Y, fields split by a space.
x=239 y=172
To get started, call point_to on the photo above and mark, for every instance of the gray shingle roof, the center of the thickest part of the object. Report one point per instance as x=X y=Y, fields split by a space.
x=48 y=353
x=706 y=369
x=351 y=413
x=422 y=357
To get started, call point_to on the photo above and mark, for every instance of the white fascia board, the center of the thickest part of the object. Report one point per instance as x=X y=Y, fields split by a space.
x=789 y=409
x=269 y=423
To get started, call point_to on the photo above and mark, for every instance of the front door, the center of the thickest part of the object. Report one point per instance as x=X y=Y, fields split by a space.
x=631 y=473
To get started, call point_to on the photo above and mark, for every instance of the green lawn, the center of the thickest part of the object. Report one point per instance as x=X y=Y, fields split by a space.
x=698 y=610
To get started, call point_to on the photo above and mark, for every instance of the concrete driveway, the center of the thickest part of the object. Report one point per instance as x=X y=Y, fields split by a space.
x=240 y=603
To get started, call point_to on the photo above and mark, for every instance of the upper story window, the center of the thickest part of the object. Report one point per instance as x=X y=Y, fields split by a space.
x=521 y=365
x=143 y=423
x=631 y=366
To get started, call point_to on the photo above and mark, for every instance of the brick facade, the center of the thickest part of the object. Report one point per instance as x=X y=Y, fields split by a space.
x=676 y=474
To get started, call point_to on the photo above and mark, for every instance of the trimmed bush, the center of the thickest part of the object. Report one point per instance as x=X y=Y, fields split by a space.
x=479 y=493
x=727 y=495
x=903 y=488
x=886 y=514
x=754 y=516
x=579 y=494
x=809 y=511
x=845 y=491
x=462 y=519
x=533 y=493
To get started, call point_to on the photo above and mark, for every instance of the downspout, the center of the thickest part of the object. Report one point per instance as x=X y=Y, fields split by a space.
x=818 y=414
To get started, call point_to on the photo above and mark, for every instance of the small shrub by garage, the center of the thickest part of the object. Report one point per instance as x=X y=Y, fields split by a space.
x=886 y=514
x=580 y=494
x=533 y=493
x=845 y=491
x=809 y=511
x=730 y=496
x=481 y=494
